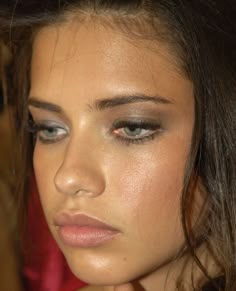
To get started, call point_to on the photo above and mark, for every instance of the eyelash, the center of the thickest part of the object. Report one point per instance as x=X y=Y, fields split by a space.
x=152 y=128
x=37 y=128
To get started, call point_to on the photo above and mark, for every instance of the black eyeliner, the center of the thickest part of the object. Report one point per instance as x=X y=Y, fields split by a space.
x=36 y=127
x=146 y=124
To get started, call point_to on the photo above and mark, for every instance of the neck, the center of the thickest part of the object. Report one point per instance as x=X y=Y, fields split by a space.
x=181 y=274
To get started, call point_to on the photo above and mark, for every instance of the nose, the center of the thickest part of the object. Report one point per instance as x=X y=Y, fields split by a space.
x=80 y=172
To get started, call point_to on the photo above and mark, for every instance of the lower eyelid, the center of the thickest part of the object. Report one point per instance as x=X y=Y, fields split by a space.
x=139 y=140
x=136 y=141
x=52 y=140
x=149 y=132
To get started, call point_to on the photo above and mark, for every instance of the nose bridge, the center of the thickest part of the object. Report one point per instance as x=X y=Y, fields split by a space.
x=80 y=170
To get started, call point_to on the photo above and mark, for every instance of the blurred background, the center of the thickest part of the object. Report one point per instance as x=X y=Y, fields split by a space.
x=9 y=266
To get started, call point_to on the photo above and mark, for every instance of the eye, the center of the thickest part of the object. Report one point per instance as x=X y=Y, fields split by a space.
x=48 y=131
x=51 y=133
x=132 y=131
x=136 y=131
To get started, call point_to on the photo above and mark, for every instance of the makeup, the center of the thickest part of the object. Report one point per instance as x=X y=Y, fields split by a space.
x=79 y=230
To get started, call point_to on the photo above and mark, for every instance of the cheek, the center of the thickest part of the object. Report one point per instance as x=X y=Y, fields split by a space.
x=150 y=188
x=45 y=164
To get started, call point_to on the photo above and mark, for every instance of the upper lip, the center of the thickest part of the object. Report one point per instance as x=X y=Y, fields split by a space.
x=64 y=219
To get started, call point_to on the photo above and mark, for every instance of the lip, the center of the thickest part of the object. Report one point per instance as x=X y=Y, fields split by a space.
x=80 y=230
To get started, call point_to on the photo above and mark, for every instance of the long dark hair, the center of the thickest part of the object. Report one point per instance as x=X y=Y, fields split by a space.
x=203 y=36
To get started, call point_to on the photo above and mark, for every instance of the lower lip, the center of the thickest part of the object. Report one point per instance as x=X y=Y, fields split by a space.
x=85 y=236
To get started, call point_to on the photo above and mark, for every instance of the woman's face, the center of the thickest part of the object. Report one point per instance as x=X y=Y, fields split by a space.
x=114 y=121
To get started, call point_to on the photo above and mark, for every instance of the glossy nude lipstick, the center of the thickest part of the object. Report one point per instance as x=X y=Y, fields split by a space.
x=79 y=230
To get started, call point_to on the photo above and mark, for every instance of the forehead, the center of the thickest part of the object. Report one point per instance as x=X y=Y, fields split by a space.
x=84 y=56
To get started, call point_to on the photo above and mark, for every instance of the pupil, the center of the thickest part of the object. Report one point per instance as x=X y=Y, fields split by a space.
x=132 y=130
x=50 y=131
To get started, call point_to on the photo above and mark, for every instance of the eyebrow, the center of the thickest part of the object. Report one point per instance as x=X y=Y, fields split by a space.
x=37 y=103
x=102 y=104
x=123 y=100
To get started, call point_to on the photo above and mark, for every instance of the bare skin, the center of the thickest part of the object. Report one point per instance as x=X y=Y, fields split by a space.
x=129 y=177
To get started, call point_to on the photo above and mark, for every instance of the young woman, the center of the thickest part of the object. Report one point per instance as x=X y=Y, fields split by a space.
x=129 y=110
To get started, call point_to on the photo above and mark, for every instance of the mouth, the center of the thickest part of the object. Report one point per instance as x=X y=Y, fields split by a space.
x=79 y=230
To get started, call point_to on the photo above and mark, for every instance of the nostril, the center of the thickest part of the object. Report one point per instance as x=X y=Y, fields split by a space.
x=82 y=192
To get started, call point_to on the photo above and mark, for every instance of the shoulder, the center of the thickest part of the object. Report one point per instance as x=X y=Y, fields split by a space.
x=90 y=288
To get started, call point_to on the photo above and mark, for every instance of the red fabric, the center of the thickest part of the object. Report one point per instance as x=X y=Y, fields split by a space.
x=45 y=268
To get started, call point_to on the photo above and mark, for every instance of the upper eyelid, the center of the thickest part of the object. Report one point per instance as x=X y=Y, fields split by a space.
x=53 y=126
x=137 y=122
x=51 y=123
x=39 y=119
x=39 y=114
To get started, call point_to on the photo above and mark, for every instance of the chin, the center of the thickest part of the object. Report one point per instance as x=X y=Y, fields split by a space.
x=101 y=271
x=99 y=277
